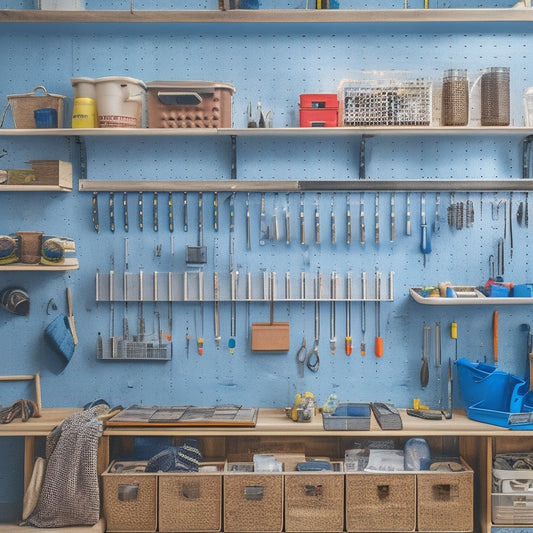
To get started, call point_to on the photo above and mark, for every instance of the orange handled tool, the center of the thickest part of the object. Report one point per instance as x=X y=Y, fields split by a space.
x=495 y=335
x=379 y=340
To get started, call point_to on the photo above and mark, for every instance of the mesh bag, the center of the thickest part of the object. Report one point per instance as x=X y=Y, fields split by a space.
x=69 y=493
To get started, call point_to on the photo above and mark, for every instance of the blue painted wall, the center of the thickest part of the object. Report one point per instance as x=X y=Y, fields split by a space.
x=274 y=65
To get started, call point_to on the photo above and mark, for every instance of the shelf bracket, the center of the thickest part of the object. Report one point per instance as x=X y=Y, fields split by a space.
x=233 y=157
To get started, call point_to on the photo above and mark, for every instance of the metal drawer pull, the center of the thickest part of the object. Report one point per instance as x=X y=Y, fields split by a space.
x=128 y=492
x=254 y=493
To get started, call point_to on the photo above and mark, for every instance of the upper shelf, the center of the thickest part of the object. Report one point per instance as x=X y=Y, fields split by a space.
x=272 y=16
x=487 y=131
x=68 y=264
x=478 y=299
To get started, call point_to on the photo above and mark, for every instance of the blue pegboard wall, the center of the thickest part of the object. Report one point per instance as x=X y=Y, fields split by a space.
x=273 y=65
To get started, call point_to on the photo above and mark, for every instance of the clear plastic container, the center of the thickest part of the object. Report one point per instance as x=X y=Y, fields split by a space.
x=455 y=97
x=528 y=107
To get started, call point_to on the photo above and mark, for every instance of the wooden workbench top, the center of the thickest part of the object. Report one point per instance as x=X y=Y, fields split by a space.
x=35 y=427
x=271 y=422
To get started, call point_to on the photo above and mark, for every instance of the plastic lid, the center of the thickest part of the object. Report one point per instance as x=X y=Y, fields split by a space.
x=121 y=79
x=190 y=85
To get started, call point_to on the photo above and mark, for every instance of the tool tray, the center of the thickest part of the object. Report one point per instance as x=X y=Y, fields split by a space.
x=189 y=104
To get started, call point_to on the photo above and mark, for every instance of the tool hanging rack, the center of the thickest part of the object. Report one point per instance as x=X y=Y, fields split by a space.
x=198 y=286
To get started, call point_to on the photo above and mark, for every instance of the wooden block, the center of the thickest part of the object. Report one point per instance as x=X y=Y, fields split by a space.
x=270 y=337
x=20 y=177
x=52 y=172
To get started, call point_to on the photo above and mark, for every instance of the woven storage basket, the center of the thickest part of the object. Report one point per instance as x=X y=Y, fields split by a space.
x=23 y=106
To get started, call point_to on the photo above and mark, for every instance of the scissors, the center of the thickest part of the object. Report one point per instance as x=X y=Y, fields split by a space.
x=301 y=356
x=313 y=366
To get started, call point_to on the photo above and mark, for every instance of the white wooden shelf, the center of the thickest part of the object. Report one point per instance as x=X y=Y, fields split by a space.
x=276 y=16
x=479 y=299
x=34 y=188
x=68 y=264
x=416 y=131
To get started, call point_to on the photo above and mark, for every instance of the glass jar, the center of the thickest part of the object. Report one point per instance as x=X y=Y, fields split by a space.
x=495 y=98
x=455 y=99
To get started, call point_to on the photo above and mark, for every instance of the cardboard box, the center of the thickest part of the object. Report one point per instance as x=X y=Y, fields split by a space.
x=20 y=177
x=380 y=502
x=129 y=499
x=191 y=501
x=52 y=172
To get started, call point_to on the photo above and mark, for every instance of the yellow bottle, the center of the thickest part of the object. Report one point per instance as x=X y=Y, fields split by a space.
x=84 y=113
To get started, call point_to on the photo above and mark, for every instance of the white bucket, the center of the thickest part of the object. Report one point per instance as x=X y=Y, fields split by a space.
x=84 y=87
x=528 y=107
x=119 y=101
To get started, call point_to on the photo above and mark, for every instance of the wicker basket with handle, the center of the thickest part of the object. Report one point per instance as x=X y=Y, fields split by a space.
x=23 y=106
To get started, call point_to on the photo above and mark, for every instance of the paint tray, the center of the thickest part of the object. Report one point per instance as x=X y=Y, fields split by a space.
x=348 y=417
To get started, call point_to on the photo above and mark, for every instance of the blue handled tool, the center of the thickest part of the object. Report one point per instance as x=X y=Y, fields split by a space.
x=425 y=241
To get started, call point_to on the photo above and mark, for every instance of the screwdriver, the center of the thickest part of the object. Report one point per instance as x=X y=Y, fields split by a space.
x=453 y=335
x=348 y=338
x=379 y=340
x=425 y=242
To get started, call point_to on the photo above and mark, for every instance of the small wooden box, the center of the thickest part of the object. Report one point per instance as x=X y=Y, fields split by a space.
x=191 y=501
x=314 y=501
x=253 y=502
x=270 y=337
x=445 y=501
x=52 y=172
x=129 y=500
x=380 y=502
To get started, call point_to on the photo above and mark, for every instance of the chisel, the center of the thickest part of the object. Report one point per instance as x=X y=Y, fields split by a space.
x=425 y=242
x=140 y=210
x=348 y=221
x=248 y=227
x=332 y=335
x=170 y=213
x=333 y=229
x=424 y=371
x=155 y=212
x=362 y=217
x=112 y=211
x=274 y=234
x=317 y=220
x=376 y=217
x=96 y=223
x=408 y=215
x=379 y=340
x=348 y=338
x=263 y=226
x=215 y=211
x=185 y=213
x=287 y=222
x=363 y=312
x=216 y=309
x=125 y=211
x=302 y=219
x=392 y=218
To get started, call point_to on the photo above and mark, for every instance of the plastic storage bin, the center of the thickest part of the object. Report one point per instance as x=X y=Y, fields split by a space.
x=189 y=104
x=493 y=396
x=319 y=110
x=348 y=416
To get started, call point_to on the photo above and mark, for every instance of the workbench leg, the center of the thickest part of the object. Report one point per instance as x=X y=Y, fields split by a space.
x=29 y=459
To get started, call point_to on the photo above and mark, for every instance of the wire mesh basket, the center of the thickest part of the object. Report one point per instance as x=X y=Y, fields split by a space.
x=148 y=349
x=385 y=100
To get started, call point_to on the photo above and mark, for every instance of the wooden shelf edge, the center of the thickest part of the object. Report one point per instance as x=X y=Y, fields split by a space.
x=34 y=188
x=69 y=264
x=272 y=15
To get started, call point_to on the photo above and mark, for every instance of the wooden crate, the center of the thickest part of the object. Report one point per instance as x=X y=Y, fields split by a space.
x=52 y=172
